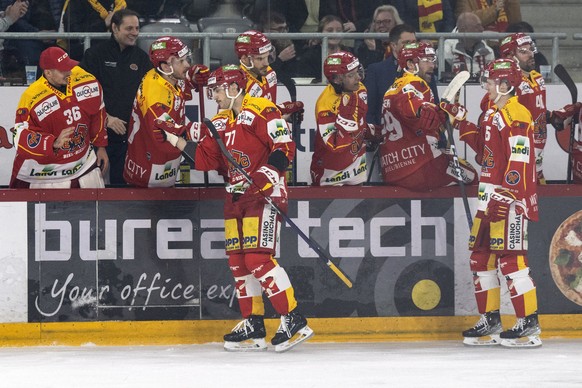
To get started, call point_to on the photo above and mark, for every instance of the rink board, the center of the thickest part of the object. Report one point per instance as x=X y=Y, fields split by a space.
x=115 y=265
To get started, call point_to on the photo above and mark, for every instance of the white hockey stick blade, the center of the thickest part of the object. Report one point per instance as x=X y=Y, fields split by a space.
x=251 y=345
x=491 y=340
x=301 y=336
x=533 y=341
x=455 y=85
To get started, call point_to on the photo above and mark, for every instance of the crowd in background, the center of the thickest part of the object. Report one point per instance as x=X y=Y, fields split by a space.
x=295 y=59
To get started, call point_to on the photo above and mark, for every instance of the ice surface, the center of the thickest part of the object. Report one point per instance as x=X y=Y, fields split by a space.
x=558 y=363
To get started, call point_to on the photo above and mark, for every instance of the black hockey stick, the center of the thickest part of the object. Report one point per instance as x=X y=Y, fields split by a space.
x=295 y=125
x=563 y=75
x=449 y=96
x=312 y=244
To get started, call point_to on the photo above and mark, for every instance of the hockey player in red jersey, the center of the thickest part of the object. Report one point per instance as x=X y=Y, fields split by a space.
x=253 y=49
x=256 y=136
x=410 y=157
x=507 y=201
x=339 y=157
x=162 y=94
x=60 y=128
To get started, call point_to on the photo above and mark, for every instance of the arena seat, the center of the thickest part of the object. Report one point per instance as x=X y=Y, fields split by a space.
x=222 y=50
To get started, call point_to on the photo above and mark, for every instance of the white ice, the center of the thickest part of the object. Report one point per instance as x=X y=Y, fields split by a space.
x=558 y=363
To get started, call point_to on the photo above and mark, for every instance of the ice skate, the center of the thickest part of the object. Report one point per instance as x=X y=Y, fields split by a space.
x=525 y=333
x=247 y=336
x=485 y=332
x=292 y=331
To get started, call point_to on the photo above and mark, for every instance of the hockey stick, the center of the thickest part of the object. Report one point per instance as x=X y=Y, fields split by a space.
x=292 y=89
x=449 y=96
x=563 y=75
x=312 y=244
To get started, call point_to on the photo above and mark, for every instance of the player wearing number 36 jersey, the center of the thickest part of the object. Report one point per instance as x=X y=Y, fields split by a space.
x=60 y=128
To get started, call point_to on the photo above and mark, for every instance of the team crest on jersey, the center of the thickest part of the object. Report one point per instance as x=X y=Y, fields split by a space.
x=77 y=140
x=512 y=178
x=488 y=162
x=520 y=149
x=45 y=108
x=33 y=140
x=525 y=88
x=87 y=91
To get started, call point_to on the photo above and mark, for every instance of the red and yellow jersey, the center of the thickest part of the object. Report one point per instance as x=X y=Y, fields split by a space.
x=150 y=163
x=339 y=156
x=531 y=94
x=43 y=112
x=407 y=147
x=508 y=156
x=265 y=87
x=250 y=137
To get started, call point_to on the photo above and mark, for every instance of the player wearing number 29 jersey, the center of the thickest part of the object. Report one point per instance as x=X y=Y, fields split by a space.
x=44 y=112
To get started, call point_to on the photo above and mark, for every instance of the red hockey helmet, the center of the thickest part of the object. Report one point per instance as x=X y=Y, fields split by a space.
x=415 y=52
x=339 y=63
x=226 y=75
x=165 y=47
x=252 y=43
x=504 y=70
x=509 y=45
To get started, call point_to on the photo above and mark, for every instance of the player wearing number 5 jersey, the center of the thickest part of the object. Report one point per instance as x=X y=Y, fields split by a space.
x=411 y=156
x=60 y=128
x=507 y=201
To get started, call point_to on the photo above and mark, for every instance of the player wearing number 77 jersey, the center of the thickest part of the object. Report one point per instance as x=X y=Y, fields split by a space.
x=410 y=157
x=258 y=139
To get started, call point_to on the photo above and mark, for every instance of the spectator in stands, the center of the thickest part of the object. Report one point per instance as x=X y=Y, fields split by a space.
x=427 y=15
x=88 y=16
x=41 y=16
x=309 y=65
x=7 y=18
x=284 y=55
x=119 y=65
x=525 y=27
x=495 y=15
x=471 y=54
x=385 y=18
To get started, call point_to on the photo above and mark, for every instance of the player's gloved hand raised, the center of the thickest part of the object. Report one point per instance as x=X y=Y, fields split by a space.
x=348 y=114
x=265 y=179
x=559 y=117
x=456 y=112
x=500 y=202
x=170 y=126
x=167 y=131
x=197 y=76
x=292 y=107
x=431 y=117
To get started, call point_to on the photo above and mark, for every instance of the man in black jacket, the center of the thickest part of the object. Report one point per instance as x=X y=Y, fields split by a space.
x=119 y=65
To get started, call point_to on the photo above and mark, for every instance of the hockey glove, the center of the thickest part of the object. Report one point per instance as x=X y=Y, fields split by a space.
x=430 y=118
x=170 y=126
x=197 y=76
x=265 y=180
x=374 y=134
x=558 y=117
x=348 y=113
x=289 y=107
x=456 y=112
x=499 y=204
